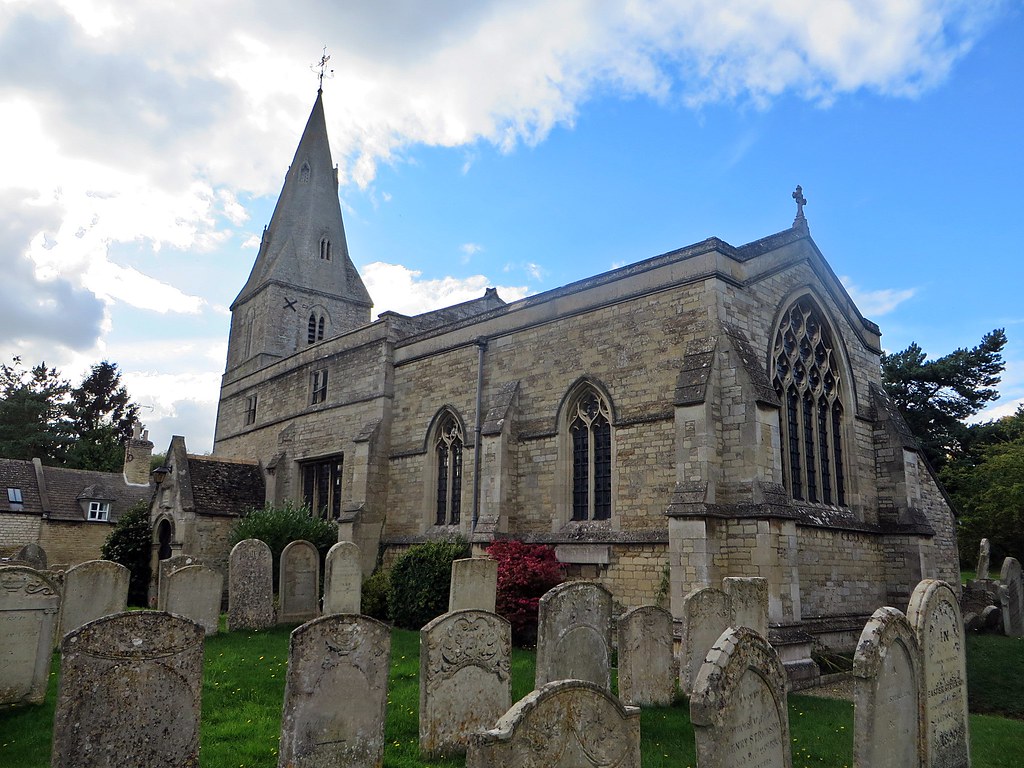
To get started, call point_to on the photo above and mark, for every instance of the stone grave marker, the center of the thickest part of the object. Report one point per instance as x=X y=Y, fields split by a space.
x=129 y=693
x=566 y=723
x=934 y=614
x=92 y=590
x=738 y=707
x=343 y=579
x=1011 y=597
x=336 y=693
x=574 y=634
x=748 y=602
x=984 y=555
x=887 y=694
x=32 y=555
x=465 y=685
x=647 y=673
x=474 y=585
x=165 y=569
x=706 y=614
x=195 y=592
x=250 y=586
x=298 y=591
x=29 y=605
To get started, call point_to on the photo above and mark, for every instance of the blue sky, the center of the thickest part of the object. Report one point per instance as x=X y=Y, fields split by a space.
x=520 y=145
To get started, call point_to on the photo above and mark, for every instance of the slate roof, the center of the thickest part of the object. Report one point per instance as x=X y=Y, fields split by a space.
x=225 y=487
x=15 y=473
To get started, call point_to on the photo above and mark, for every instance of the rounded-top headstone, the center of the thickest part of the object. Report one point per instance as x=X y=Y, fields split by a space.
x=250 y=586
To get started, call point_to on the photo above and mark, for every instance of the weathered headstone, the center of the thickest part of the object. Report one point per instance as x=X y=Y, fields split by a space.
x=336 y=693
x=748 y=601
x=29 y=605
x=250 y=586
x=934 y=614
x=474 y=585
x=343 y=579
x=195 y=592
x=706 y=614
x=887 y=694
x=984 y=554
x=647 y=672
x=564 y=724
x=165 y=569
x=32 y=555
x=92 y=590
x=738 y=707
x=465 y=685
x=1011 y=597
x=574 y=634
x=298 y=583
x=129 y=693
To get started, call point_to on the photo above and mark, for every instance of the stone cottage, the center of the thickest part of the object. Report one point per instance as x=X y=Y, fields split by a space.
x=712 y=411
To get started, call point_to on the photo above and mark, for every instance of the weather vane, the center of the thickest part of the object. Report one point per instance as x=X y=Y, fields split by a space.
x=322 y=66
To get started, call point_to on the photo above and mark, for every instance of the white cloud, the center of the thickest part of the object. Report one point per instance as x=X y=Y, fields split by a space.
x=878 y=302
x=399 y=289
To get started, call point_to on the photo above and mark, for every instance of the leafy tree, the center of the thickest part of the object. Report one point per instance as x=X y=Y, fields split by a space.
x=936 y=396
x=277 y=527
x=32 y=411
x=100 y=415
x=130 y=544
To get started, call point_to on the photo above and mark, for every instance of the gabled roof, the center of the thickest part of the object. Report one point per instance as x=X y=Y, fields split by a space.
x=225 y=487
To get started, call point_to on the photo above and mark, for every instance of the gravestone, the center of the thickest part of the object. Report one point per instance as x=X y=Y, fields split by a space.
x=129 y=693
x=29 y=605
x=934 y=614
x=748 y=602
x=566 y=723
x=250 y=586
x=647 y=672
x=92 y=590
x=31 y=555
x=474 y=585
x=706 y=614
x=1011 y=598
x=984 y=553
x=298 y=589
x=195 y=592
x=465 y=685
x=887 y=694
x=574 y=634
x=336 y=693
x=165 y=569
x=343 y=579
x=738 y=707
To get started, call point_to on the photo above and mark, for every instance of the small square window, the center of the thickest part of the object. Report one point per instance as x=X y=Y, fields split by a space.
x=99 y=511
x=318 y=386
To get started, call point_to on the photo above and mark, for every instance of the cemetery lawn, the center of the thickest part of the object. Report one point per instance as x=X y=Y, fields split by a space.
x=243 y=689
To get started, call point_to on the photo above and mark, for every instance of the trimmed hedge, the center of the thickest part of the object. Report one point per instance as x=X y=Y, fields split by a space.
x=420 y=581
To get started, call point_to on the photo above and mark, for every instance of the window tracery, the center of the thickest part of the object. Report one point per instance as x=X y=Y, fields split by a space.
x=448 y=445
x=590 y=431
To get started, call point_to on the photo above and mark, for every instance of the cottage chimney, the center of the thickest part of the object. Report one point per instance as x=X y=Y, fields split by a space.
x=137 y=453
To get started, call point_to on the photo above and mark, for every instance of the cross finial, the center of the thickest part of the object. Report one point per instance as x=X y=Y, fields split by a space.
x=801 y=201
x=322 y=66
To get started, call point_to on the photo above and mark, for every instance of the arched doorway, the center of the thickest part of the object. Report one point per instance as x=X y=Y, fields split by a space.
x=164 y=535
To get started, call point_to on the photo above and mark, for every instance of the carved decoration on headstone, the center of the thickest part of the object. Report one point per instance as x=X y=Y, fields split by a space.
x=574 y=634
x=29 y=605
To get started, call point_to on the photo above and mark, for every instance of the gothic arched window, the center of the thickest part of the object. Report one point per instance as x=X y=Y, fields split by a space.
x=315 y=328
x=591 y=434
x=448 y=444
x=808 y=377
x=325 y=249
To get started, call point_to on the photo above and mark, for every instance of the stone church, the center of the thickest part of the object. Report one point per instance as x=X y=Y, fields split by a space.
x=712 y=411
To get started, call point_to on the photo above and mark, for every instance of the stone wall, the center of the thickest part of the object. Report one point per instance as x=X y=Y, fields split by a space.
x=839 y=572
x=16 y=530
x=73 y=543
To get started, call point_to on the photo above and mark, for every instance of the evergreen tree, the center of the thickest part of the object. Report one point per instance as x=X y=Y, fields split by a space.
x=101 y=415
x=33 y=406
x=129 y=544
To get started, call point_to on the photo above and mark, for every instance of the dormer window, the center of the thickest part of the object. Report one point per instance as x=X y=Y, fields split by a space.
x=14 y=499
x=325 y=249
x=99 y=511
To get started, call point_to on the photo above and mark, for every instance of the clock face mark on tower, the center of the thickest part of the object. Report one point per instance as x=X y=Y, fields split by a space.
x=290 y=304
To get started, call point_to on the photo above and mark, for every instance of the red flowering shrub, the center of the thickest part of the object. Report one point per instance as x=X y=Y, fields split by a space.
x=525 y=573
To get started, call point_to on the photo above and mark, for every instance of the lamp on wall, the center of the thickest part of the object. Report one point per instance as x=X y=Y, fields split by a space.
x=159 y=475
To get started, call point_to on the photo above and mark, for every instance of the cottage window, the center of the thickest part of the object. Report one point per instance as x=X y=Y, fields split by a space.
x=250 y=410
x=591 y=434
x=99 y=511
x=321 y=486
x=318 y=386
x=448 y=457
x=14 y=499
x=809 y=380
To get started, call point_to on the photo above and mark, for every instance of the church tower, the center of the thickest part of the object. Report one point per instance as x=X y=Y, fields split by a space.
x=303 y=287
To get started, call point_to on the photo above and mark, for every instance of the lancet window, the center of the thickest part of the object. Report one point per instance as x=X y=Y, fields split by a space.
x=809 y=379
x=448 y=445
x=591 y=434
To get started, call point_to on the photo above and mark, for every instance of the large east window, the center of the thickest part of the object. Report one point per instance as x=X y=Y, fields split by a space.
x=321 y=486
x=591 y=435
x=809 y=380
x=448 y=459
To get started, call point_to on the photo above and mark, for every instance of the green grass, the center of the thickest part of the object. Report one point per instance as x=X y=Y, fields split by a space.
x=243 y=688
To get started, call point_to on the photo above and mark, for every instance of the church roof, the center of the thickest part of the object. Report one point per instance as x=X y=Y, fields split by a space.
x=304 y=245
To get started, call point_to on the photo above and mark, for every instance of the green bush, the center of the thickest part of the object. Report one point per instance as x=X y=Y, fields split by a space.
x=420 y=581
x=374 y=600
x=130 y=544
x=277 y=527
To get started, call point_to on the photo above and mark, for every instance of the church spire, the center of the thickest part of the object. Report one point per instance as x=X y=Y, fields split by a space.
x=303 y=267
